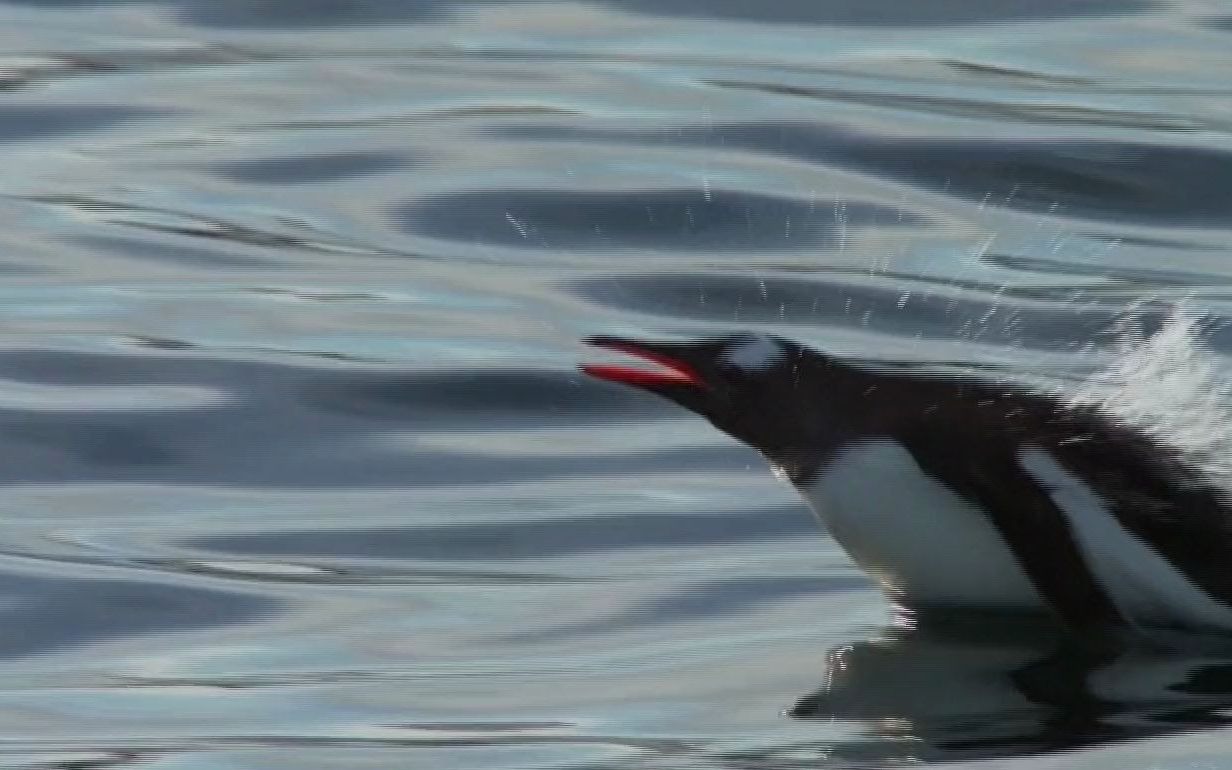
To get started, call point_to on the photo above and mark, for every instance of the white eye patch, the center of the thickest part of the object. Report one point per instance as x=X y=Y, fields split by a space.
x=755 y=354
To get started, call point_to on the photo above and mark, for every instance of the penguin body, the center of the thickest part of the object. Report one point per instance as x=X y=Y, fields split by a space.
x=955 y=493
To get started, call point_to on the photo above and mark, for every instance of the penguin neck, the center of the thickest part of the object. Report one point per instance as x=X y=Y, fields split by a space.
x=856 y=404
x=834 y=405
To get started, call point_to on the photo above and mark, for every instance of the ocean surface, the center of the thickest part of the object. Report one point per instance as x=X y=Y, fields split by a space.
x=299 y=472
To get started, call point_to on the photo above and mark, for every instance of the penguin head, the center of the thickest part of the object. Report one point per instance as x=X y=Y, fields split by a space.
x=748 y=385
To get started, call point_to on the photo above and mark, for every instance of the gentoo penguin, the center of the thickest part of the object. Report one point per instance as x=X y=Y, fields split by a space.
x=955 y=493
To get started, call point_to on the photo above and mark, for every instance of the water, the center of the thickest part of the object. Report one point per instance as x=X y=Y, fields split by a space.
x=298 y=470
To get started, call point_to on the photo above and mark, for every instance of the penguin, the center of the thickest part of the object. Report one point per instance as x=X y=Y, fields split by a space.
x=956 y=493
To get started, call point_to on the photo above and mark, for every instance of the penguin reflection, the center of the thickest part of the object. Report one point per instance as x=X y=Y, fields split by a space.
x=965 y=689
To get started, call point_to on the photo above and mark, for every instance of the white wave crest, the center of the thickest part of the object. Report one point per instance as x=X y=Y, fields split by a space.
x=1167 y=385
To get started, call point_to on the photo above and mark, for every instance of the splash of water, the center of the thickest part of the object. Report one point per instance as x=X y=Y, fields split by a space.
x=1168 y=385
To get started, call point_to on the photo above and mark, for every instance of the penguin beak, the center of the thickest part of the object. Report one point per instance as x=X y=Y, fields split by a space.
x=668 y=371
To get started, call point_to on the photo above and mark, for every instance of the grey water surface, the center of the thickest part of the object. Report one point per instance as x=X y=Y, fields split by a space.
x=297 y=467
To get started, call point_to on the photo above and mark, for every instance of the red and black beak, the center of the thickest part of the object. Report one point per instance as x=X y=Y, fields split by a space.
x=669 y=370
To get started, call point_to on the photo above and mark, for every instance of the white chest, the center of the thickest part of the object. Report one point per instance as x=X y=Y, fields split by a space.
x=925 y=544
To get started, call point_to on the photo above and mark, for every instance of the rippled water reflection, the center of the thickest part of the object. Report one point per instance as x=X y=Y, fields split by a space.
x=298 y=469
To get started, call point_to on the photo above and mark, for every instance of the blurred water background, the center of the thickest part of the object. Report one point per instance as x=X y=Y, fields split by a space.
x=297 y=468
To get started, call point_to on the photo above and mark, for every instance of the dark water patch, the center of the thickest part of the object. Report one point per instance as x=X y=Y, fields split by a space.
x=122 y=59
x=318 y=295
x=22 y=123
x=46 y=614
x=412 y=116
x=293 y=14
x=282 y=234
x=981 y=109
x=289 y=448
x=1117 y=180
x=1180 y=244
x=357 y=573
x=1105 y=179
x=736 y=596
x=26 y=269
x=432 y=398
x=511 y=726
x=103 y=441
x=1003 y=72
x=524 y=539
x=159 y=343
x=171 y=253
x=311 y=168
x=72 y=368
x=478 y=397
x=671 y=221
x=883 y=13
x=1136 y=276
x=54 y=4
x=920 y=312
x=860 y=13
x=264 y=425
x=1221 y=23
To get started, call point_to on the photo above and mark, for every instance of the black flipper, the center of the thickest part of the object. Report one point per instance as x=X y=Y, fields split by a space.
x=1163 y=501
x=1034 y=529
